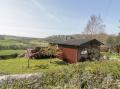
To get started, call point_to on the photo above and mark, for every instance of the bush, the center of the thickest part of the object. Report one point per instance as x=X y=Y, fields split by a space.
x=51 y=51
x=8 y=56
x=48 y=52
x=64 y=80
x=87 y=75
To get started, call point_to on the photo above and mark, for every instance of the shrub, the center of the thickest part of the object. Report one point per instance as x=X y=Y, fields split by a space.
x=8 y=56
x=48 y=52
x=87 y=75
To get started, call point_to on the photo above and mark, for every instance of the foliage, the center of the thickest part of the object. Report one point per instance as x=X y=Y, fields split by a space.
x=114 y=43
x=52 y=51
x=118 y=39
x=47 y=52
x=7 y=54
x=111 y=40
x=86 y=75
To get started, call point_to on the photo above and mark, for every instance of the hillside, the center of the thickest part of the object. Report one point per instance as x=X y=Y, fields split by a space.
x=15 y=42
x=100 y=37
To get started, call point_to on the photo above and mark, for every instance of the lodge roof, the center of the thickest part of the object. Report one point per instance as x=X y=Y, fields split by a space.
x=77 y=42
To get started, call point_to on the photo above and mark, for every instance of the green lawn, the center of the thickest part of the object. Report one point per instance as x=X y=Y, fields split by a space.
x=19 y=65
x=8 y=52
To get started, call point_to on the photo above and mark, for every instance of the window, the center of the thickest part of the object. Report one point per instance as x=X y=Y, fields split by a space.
x=84 y=51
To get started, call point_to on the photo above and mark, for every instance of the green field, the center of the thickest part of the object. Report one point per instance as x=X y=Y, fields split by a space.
x=24 y=43
x=8 y=42
x=9 y=52
x=19 y=65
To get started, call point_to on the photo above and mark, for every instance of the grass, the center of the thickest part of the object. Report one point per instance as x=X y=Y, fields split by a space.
x=8 y=42
x=9 y=52
x=19 y=65
x=111 y=55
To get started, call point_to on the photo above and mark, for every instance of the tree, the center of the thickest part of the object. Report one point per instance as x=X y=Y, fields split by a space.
x=118 y=39
x=94 y=26
x=111 y=41
x=52 y=51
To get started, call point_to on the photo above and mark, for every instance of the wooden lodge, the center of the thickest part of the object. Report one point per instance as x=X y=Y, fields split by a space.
x=78 y=50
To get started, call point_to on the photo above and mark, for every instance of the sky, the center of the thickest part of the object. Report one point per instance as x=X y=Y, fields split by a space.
x=42 y=18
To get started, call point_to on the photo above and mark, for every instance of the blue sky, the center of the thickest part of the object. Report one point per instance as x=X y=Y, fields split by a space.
x=42 y=18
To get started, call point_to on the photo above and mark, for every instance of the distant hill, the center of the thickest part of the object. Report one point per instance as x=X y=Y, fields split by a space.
x=17 y=37
x=59 y=38
x=16 y=42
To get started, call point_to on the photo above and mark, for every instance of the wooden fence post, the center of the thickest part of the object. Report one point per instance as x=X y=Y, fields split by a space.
x=28 y=63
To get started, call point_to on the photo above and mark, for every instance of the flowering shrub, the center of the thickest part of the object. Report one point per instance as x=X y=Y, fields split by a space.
x=48 y=52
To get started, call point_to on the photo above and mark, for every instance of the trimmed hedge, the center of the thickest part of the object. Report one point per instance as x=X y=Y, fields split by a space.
x=8 y=56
